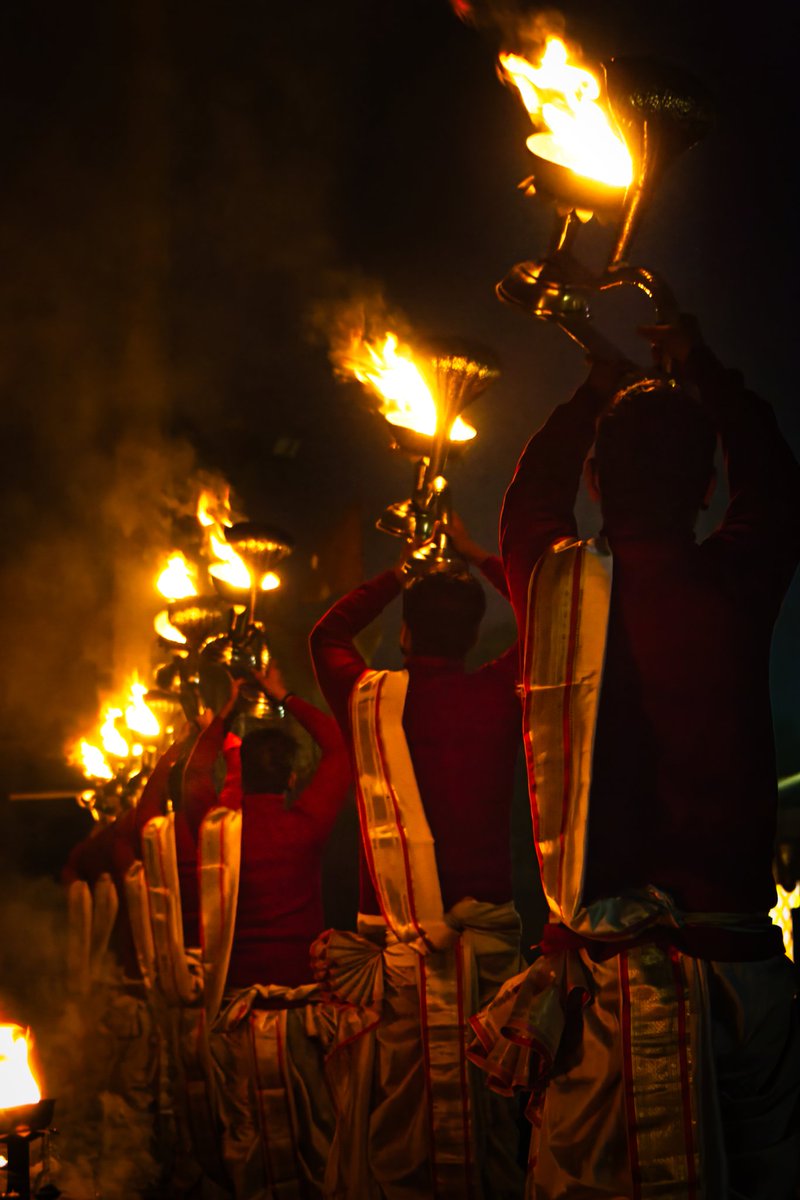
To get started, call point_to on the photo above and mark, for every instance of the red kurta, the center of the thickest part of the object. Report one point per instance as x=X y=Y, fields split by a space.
x=683 y=787
x=463 y=732
x=279 y=912
x=114 y=848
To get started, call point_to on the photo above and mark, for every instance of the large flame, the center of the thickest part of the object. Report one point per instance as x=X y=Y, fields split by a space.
x=561 y=98
x=113 y=741
x=138 y=717
x=176 y=581
x=17 y=1083
x=91 y=761
x=166 y=630
x=406 y=399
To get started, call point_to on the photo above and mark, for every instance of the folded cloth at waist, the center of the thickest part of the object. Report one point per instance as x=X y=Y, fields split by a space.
x=721 y=937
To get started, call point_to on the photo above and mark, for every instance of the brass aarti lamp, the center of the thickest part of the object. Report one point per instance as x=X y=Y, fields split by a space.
x=659 y=111
x=455 y=375
x=243 y=648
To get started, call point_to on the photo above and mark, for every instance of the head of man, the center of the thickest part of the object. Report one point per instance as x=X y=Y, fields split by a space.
x=653 y=464
x=441 y=615
x=268 y=757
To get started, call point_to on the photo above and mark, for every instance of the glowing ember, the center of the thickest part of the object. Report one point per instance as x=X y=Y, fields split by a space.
x=92 y=762
x=113 y=741
x=17 y=1084
x=138 y=717
x=575 y=132
x=781 y=915
x=405 y=397
x=164 y=629
x=177 y=581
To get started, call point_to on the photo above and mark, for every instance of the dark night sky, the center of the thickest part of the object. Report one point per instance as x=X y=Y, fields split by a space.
x=184 y=186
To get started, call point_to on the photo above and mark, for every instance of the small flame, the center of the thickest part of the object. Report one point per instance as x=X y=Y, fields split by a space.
x=17 y=1083
x=92 y=761
x=406 y=399
x=562 y=98
x=176 y=580
x=113 y=741
x=164 y=629
x=138 y=717
x=782 y=915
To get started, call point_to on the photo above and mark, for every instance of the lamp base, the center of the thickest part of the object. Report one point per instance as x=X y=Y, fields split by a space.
x=540 y=290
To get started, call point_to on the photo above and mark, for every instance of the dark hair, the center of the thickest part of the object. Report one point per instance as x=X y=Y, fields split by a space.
x=443 y=613
x=654 y=451
x=267 y=757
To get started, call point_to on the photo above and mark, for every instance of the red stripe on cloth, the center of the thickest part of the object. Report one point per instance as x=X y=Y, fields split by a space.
x=627 y=1067
x=566 y=721
x=462 y=1065
x=298 y=1167
x=396 y=807
x=262 y=1116
x=686 y=1087
x=426 y=1062
x=527 y=727
x=163 y=876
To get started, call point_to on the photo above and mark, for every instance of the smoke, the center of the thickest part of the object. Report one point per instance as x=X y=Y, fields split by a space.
x=511 y=24
x=89 y=1050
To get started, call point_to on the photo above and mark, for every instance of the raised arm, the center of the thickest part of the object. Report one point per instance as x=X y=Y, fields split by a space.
x=199 y=792
x=538 y=508
x=323 y=798
x=490 y=565
x=336 y=660
x=762 y=521
x=153 y=801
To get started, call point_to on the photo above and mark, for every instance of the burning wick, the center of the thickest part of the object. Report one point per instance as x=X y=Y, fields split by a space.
x=176 y=581
x=406 y=400
x=563 y=97
x=17 y=1083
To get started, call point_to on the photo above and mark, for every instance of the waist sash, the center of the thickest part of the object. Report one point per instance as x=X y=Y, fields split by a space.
x=394 y=829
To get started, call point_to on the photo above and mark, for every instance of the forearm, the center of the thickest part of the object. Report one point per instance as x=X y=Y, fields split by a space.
x=336 y=660
x=199 y=793
x=322 y=728
x=763 y=474
x=538 y=506
x=491 y=568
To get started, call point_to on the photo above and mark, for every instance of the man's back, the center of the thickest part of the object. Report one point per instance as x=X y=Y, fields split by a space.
x=683 y=786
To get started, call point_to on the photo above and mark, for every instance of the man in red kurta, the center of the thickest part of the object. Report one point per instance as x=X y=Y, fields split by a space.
x=439 y=930
x=653 y=791
x=279 y=911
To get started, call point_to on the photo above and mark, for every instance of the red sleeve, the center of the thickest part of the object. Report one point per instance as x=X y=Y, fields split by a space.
x=322 y=800
x=492 y=570
x=153 y=801
x=761 y=527
x=538 y=508
x=199 y=793
x=230 y=795
x=336 y=660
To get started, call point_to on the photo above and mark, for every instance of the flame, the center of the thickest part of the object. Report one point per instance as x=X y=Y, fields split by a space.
x=138 y=717
x=406 y=399
x=164 y=629
x=176 y=581
x=17 y=1083
x=92 y=761
x=113 y=741
x=563 y=98
x=781 y=915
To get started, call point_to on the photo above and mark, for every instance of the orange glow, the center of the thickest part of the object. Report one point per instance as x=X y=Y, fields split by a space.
x=406 y=400
x=138 y=717
x=91 y=761
x=177 y=580
x=17 y=1082
x=113 y=741
x=573 y=129
x=164 y=629
x=781 y=915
